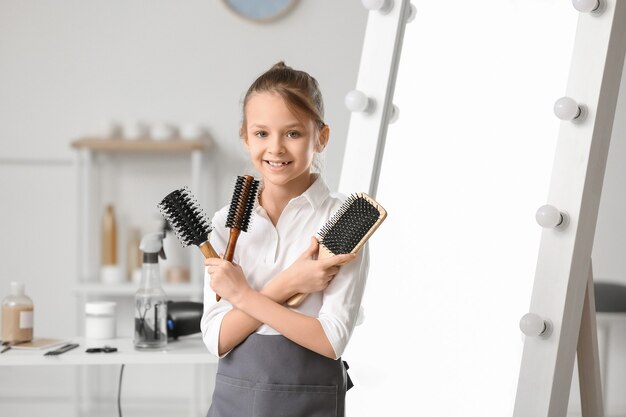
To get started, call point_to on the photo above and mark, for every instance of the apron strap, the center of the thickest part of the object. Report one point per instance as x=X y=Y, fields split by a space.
x=350 y=384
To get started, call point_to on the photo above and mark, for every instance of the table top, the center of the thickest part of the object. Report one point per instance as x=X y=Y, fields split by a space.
x=188 y=350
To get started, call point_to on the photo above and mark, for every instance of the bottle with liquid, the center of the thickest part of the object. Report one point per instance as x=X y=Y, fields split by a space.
x=109 y=237
x=150 y=299
x=176 y=267
x=133 y=256
x=110 y=272
x=17 y=315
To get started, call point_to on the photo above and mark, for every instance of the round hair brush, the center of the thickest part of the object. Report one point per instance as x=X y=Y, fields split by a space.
x=241 y=205
x=188 y=220
x=347 y=230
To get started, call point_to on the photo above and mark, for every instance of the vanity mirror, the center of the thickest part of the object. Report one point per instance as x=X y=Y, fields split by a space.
x=476 y=150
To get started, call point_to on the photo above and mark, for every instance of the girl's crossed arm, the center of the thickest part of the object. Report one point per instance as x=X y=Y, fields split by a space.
x=253 y=308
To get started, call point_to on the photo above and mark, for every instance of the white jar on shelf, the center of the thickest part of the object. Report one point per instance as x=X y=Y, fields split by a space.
x=100 y=320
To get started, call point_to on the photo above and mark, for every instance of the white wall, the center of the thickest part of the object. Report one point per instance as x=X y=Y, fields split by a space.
x=67 y=66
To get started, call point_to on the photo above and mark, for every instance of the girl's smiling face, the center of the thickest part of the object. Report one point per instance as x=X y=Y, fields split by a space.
x=281 y=144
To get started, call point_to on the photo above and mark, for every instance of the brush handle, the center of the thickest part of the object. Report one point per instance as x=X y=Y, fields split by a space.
x=297 y=299
x=230 y=250
x=208 y=252
x=232 y=242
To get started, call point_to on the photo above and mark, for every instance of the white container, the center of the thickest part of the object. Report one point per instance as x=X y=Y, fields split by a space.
x=192 y=131
x=164 y=131
x=137 y=131
x=111 y=274
x=100 y=320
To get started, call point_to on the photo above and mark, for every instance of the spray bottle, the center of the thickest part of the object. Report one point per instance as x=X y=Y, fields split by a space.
x=150 y=300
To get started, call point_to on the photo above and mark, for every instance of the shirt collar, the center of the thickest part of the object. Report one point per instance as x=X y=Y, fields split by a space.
x=315 y=195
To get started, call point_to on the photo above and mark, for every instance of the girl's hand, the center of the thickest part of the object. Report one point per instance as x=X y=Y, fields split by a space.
x=227 y=279
x=308 y=275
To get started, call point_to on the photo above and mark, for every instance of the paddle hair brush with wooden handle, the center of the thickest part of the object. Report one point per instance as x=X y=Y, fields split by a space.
x=347 y=230
x=188 y=220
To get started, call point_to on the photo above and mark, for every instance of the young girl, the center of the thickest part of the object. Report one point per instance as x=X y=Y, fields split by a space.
x=275 y=360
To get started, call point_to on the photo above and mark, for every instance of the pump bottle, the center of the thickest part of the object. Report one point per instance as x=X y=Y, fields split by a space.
x=150 y=299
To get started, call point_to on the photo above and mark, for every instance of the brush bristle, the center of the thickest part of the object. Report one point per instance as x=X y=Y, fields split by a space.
x=188 y=220
x=242 y=203
x=354 y=219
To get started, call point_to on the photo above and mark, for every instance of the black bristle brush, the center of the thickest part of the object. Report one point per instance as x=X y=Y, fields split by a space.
x=347 y=230
x=189 y=222
x=240 y=211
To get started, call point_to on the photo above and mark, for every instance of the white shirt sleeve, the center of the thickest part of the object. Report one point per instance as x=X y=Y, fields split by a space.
x=342 y=301
x=214 y=311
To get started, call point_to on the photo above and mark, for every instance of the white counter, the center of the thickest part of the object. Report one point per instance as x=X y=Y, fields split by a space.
x=185 y=350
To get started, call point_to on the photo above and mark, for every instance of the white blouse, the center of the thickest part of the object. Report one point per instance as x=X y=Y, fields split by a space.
x=265 y=250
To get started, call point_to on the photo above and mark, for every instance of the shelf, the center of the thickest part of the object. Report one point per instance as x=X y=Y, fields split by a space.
x=120 y=145
x=90 y=179
x=129 y=289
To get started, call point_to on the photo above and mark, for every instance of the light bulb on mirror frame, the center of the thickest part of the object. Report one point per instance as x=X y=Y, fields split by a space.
x=548 y=216
x=533 y=325
x=566 y=108
x=586 y=6
x=357 y=101
x=410 y=13
x=394 y=113
x=381 y=6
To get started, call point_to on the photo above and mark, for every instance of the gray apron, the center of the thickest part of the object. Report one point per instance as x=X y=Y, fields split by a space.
x=271 y=376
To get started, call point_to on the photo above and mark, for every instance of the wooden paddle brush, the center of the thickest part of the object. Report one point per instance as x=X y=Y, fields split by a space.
x=347 y=230
x=241 y=205
x=188 y=220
